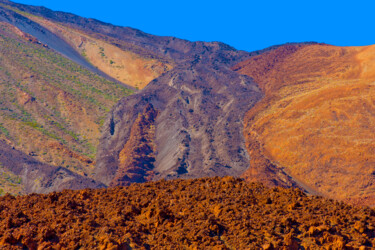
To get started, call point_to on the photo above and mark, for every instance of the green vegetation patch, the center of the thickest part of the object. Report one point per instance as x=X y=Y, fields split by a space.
x=9 y=182
x=3 y=130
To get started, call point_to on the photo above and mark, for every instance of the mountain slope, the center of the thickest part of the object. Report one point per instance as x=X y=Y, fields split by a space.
x=51 y=108
x=198 y=130
x=219 y=213
x=315 y=122
x=113 y=59
x=200 y=102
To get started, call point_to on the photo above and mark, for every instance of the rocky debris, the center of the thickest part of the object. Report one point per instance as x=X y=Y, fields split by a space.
x=24 y=97
x=226 y=213
x=198 y=131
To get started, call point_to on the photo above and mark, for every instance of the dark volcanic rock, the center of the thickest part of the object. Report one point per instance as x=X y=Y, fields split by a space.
x=199 y=128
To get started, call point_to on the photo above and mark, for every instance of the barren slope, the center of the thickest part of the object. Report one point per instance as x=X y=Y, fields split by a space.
x=198 y=130
x=316 y=120
x=124 y=65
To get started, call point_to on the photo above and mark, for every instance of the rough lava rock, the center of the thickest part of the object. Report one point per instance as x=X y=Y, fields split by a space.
x=206 y=213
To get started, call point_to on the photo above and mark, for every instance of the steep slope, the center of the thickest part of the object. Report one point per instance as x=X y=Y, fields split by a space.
x=217 y=213
x=42 y=35
x=51 y=108
x=315 y=122
x=110 y=58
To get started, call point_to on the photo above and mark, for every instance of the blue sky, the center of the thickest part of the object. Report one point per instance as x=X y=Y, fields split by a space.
x=247 y=25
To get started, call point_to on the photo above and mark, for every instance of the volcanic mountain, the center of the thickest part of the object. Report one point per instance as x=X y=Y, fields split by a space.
x=295 y=115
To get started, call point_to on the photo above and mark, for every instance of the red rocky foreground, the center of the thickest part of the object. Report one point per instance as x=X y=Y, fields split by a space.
x=225 y=213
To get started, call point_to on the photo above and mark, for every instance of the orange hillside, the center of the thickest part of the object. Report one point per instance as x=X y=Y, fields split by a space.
x=316 y=121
